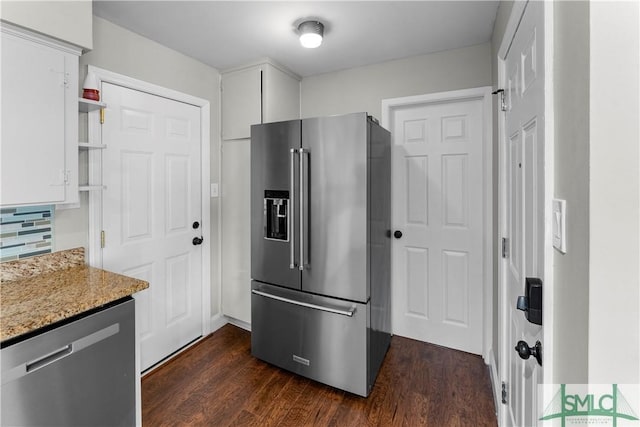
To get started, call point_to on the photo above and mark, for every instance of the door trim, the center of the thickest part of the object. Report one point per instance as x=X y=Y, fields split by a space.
x=95 y=197
x=484 y=94
x=548 y=374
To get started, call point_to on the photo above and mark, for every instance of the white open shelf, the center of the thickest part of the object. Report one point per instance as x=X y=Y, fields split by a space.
x=92 y=187
x=90 y=146
x=86 y=105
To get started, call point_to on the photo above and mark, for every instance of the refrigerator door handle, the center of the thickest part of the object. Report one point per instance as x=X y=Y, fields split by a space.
x=348 y=312
x=302 y=211
x=292 y=241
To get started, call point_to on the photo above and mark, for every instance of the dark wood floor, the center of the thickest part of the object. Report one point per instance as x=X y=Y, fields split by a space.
x=218 y=383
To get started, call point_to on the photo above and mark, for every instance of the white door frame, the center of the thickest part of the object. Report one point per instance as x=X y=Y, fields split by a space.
x=95 y=197
x=483 y=94
x=547 y=276
x=95 y=163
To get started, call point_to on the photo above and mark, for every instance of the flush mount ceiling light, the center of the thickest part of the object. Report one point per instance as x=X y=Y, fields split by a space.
x=311 y=33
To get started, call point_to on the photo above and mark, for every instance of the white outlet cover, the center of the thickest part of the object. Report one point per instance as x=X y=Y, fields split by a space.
x=214 y=189
x=559 y=215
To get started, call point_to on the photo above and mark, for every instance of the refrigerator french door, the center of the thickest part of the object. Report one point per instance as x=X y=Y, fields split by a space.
x=320 y=253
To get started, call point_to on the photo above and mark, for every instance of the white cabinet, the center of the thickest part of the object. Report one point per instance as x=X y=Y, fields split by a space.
x=280 y=95
x=236 y=235
x=39 y=116
x=257 y=94
x=241 y=102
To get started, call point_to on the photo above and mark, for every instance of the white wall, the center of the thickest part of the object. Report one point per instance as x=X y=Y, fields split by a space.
x=122 y=51
x=364 y=88
x=614 y=193
x=571 y=181
x=66 y=20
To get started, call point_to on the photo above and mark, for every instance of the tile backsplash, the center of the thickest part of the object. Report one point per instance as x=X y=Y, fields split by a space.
x=25 y=232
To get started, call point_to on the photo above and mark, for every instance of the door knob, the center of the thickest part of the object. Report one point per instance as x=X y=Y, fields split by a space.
x=524 y=351
x=197 y=241
x=397 y=234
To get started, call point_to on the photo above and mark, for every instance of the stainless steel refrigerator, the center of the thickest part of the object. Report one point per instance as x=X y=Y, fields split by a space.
x=321 y=248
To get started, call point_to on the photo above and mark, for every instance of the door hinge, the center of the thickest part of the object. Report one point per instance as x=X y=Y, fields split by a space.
x=102 y=116
x=102 y=238
x=500 y=93
x=505 y=247
x=504 y=392
x=63 y=177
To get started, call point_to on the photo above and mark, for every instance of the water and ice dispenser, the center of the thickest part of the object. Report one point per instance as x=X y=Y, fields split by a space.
x=276 y=215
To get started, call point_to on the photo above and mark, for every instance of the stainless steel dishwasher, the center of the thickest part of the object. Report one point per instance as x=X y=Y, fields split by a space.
x=80 y=373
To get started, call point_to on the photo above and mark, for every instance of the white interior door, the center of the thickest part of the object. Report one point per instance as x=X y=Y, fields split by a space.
x=523 y=174
x=438 y=206
x=151 y=169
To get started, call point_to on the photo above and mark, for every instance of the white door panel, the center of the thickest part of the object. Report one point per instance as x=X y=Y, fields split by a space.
x=152 y=176
x=438 y=206
x=523 y=174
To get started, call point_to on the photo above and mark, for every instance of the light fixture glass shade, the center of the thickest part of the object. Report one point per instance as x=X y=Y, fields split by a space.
x=311 y=33
x=310 y=40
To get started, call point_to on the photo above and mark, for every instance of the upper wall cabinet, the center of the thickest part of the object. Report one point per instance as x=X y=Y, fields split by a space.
x=241 y=102
x=260 y=93
x=39 y=116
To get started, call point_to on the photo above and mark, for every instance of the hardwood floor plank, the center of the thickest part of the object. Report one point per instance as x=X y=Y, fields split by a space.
x=351 y=412
x=327 y=402
x=229 y=399
x=218 y=383
x=204 y=366
x=245 y=419
x=259 y=402
x=281 y=405
x=205 y=352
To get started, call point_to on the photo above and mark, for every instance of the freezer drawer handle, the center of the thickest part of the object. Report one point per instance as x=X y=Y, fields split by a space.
x=349 y=312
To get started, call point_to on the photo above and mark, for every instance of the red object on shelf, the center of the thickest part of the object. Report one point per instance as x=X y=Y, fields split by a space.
x=93 y=94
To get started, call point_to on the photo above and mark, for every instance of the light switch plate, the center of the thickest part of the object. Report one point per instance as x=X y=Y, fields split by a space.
x=559 y=215
x=214 y=189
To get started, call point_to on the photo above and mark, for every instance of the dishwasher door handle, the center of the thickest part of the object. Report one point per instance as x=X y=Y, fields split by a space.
x=27 y=368
x=49 y=358
x=349 y=312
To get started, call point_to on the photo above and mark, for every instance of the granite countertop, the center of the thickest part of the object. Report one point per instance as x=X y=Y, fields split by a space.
x=36 y=293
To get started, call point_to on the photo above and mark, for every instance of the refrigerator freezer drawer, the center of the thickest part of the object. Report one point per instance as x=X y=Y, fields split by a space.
x=317 y=337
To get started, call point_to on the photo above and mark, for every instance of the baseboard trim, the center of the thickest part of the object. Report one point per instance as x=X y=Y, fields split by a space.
x=496 y=384
x=217 y=321
x=239 y=323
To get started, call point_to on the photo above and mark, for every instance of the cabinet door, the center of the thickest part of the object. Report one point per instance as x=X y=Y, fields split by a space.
x=280 y=95
x=242 y=102
x=32 y=154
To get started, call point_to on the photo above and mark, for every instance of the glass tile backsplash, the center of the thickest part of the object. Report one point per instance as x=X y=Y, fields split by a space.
x=25 y=232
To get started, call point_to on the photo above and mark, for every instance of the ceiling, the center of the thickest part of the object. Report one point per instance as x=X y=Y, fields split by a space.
x=227 y=34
